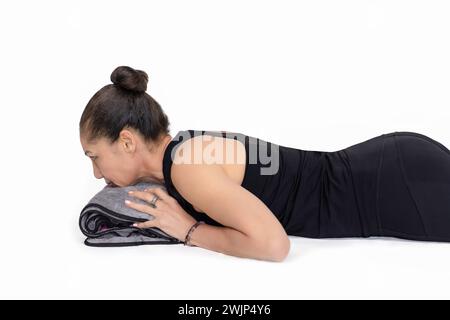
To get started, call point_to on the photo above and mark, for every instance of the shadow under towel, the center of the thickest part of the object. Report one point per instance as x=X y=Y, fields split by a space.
x=107 y=222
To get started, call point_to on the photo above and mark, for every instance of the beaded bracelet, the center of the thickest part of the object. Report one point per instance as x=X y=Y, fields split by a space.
x=188 y=235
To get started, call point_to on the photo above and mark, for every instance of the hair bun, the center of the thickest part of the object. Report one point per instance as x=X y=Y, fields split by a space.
x=130 y=79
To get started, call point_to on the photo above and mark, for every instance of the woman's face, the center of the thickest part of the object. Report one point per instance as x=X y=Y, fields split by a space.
x=116 y=163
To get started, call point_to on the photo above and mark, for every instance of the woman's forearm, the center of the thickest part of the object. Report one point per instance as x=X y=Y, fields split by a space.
x=230 y=241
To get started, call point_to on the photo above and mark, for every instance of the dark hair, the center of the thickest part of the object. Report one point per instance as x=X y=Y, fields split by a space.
x=124 y=103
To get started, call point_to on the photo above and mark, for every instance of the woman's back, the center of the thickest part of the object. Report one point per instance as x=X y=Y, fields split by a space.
x=395 y=184
x=289 y=181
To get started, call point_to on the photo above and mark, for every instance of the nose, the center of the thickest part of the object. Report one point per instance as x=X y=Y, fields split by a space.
x=97 y=173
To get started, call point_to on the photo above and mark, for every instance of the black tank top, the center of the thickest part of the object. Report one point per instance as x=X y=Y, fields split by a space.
x=310 y=193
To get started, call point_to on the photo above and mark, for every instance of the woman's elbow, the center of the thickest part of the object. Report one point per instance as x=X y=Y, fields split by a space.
x=279 y=249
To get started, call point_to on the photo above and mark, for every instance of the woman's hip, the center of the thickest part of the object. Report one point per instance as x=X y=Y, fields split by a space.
x=402 y=185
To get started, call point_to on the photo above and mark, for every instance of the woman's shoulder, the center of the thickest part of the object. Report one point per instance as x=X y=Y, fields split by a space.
x=228 y=155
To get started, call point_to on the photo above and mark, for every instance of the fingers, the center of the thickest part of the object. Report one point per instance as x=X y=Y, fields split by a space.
x=146 y=224
x=146 y=209
x=142 y=207
x=143 y=195
x=147 y=195
x=160 y=192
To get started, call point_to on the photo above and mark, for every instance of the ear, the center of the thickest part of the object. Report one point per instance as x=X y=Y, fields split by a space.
x=128 y=140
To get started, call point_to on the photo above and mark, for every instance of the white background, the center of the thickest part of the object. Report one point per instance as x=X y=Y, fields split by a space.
x=315 y=75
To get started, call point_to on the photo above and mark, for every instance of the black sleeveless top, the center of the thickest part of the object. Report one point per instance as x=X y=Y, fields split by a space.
x=395 y=184
x=311 y=193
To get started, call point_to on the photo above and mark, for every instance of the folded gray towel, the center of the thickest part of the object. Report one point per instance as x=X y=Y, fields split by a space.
x=107 y=222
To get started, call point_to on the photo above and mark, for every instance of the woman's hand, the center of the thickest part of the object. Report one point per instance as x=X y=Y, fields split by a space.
x=170 y=217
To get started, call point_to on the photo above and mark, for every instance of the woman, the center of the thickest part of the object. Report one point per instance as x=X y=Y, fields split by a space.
x=251 y=194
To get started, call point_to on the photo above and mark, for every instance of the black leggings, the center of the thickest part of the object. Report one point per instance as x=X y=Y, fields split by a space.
x=409 y=174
